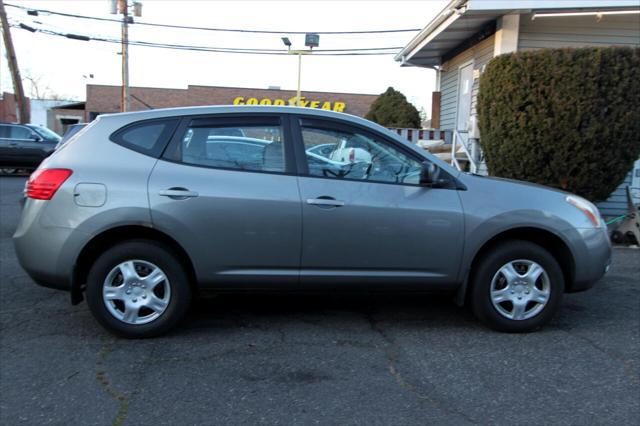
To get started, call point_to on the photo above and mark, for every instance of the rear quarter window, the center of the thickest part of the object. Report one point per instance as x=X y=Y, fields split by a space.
x=146 y=137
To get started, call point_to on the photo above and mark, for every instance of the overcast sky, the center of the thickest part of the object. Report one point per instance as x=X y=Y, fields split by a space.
x=60 y=63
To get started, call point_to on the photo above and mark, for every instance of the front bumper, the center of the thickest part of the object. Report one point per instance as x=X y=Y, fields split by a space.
x=592 y=257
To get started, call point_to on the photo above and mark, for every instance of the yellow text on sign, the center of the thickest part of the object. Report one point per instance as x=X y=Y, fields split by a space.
x=303 y=102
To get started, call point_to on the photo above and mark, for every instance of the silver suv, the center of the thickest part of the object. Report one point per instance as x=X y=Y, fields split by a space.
x=139 y=211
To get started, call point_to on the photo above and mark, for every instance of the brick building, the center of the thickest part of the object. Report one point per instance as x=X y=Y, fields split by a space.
x=103 y=99
x=62 y=116
x=8 y=107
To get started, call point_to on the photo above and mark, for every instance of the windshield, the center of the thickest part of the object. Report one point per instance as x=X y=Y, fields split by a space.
x=46 y=133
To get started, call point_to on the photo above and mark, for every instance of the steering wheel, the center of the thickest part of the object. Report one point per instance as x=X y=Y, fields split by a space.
x=341 y=173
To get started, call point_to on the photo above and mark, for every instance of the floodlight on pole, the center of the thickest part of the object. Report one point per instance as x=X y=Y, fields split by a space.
x=311 y=41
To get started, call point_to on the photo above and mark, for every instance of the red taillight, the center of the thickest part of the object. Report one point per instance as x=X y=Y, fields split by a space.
x=44 y=183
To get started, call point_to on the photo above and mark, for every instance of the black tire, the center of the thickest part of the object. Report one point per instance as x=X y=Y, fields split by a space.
x=617 y=237
x=149 y=251
x=630 y=238
x=489 y=265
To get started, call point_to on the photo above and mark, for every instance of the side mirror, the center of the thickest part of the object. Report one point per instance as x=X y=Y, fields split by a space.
x=36 y=138
x=429 y=174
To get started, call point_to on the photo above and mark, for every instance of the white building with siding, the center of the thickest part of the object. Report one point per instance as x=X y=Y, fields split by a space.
x=467 y=34
x=40 y=108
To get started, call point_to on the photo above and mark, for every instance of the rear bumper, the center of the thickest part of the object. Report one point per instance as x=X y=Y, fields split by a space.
x=45 y=252
x=592 y=256
x=39 y=256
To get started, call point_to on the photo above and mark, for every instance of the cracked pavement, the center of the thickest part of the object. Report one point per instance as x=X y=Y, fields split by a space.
x=322 y=359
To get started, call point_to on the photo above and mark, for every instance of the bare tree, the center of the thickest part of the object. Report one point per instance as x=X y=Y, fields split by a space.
x=39 y=89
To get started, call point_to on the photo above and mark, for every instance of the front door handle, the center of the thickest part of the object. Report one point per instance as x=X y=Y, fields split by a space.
x=178 y=193
x=325 y=201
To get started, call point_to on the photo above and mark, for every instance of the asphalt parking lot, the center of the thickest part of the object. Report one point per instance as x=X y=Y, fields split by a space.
x=330 y=359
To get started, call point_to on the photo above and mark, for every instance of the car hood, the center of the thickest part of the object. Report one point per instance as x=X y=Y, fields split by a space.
x=514 y=182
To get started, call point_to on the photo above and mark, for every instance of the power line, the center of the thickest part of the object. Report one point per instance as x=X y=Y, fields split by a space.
x=232 y=30
x=248 y=51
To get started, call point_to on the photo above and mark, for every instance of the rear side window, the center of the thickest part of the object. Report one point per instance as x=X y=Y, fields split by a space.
x=255 y=146
x=147 y=137
x=15 y=132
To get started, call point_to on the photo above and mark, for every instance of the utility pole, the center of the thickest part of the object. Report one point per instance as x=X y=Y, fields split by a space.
x=22 y=112
x=125 y=105
x=122 y=6
x=298 y=94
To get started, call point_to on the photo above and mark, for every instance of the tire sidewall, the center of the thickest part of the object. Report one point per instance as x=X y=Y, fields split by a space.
x=489 y=266
x=140 y=250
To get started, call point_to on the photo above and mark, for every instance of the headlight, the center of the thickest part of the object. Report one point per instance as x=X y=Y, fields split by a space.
x=585 y=207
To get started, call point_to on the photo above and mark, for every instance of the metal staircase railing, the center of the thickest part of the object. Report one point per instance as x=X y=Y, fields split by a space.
x=459 y=142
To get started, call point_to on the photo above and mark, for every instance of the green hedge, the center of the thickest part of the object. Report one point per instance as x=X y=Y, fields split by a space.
x=566 y=118
x=392 y=109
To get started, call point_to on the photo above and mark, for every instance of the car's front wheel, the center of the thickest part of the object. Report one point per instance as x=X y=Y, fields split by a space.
x=138 y=289
x=516 y=287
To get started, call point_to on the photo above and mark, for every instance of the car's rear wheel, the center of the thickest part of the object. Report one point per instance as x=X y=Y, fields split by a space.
x=138 y=289
x=516 y=287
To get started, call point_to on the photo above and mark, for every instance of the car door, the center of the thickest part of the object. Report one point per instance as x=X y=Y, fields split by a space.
x=46 y=141
x=6 y=150
x=231 y=201
x=33 y=147
x=368 y=220
x=15 y=145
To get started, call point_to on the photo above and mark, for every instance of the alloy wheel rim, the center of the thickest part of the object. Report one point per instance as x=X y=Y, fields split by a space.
x=136 y=292
x=520 y=289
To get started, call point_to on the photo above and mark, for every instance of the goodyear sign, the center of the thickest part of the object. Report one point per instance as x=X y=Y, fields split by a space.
x=304 y=102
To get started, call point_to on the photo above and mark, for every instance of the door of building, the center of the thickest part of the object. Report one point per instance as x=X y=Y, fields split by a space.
x=465 y=84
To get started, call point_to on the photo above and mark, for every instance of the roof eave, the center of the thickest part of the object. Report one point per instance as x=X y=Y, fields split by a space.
x=407 y=51
x=456 y=9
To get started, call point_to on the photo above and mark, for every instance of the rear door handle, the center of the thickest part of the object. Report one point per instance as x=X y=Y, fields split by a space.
x=325 y=201
x=178 y=193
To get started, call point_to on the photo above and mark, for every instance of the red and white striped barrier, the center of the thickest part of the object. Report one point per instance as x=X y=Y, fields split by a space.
x=414 y=135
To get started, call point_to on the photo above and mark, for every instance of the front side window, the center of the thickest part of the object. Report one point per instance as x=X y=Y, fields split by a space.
x=252 y=147
x=352 y=155
x=46 y=133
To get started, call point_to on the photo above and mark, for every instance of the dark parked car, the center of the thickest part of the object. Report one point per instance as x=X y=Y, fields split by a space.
x=25 y=145
x=71 y=131
x=151 y=207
